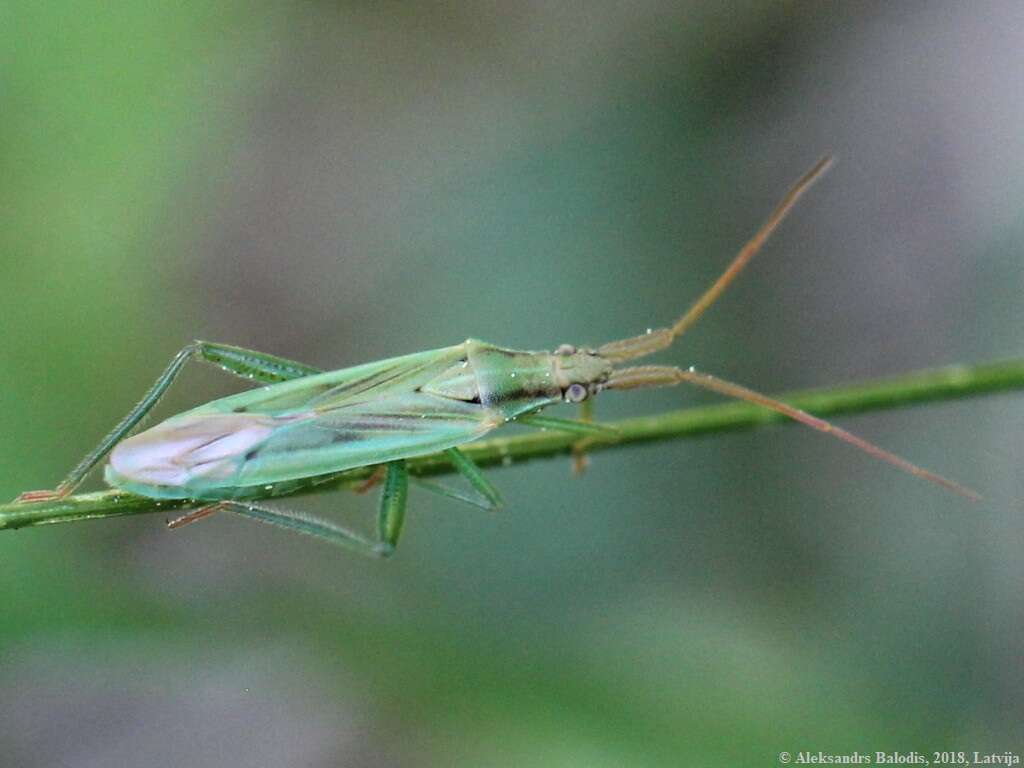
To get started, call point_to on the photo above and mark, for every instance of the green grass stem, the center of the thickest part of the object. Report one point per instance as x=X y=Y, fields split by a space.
x=940 y=384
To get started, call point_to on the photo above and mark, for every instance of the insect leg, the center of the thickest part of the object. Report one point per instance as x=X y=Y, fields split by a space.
x=470 y=497
x=584 y=427
x=580 y=460
x=308 y=524
x=389 y=521
x=194 y=516
x=373 y=480
x=250 y=364
x=587 y=428
x=666 y=376
x=244 y=363
x=482 y=494
x=469 y=470
x=392 y=507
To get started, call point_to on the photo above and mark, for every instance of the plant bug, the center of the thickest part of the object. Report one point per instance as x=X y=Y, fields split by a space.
x=304 y=424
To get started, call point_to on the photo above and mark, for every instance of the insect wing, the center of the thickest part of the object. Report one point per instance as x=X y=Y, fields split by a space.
x=318 y=424
x=348 y=386
x=357 y=416
x=369 y=432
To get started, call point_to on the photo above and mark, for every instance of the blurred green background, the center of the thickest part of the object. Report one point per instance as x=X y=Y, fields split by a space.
x=341 y=182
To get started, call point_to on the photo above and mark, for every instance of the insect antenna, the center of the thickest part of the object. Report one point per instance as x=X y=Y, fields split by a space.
x=665 y=376
x=654 y=341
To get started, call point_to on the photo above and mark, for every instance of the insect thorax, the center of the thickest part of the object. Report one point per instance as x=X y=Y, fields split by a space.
x=512 y=381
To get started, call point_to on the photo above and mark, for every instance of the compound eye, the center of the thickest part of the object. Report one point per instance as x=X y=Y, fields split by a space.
x=576 y=393
x=565 y=349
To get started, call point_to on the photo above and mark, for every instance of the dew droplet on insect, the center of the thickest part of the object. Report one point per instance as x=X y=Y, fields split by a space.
x=513 y=374
x=692 y=369
x=268 y=487
x=649 y=330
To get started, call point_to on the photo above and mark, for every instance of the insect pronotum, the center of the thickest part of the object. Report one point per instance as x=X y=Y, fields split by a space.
x=305 y=423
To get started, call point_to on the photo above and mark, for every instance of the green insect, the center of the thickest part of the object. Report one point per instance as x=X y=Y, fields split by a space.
x=305 y=423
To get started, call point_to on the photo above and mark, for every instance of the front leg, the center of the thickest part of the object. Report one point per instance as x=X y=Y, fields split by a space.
x=585 y=427
x=580 y=460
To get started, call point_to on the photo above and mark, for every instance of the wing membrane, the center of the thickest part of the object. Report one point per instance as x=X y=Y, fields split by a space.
x=370 y=432
x=357 y=416
x=316 y=425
